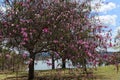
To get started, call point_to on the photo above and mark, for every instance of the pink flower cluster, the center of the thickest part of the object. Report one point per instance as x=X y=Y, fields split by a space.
x=45 y=30
x=8 y=56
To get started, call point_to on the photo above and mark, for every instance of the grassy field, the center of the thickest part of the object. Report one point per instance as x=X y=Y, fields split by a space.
x=101 y=73
x=107 y=73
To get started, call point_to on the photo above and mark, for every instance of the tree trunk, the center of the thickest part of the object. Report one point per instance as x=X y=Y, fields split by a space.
x=2 y=66
x=84 y=66
x=63 y=63
x=53 y=64
x=13 y=63
x=31 y=67
x=85 y=69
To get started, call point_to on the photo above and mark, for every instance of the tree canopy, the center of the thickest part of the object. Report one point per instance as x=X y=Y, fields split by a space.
x=39 y=25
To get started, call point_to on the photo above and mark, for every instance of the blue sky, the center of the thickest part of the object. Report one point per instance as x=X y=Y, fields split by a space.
x=110 y=12
x=1 y=1
x=115 y=11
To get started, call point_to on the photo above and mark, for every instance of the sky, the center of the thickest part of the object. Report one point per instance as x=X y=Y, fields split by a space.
x=109 y=14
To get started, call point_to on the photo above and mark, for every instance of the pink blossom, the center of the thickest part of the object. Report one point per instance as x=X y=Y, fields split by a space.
x=25 y=34
x=24 y=56
x=110 y=44
x=22 y=43
x=28 y=0
x=8 y=56
x=45 y=30
x=29 y=21
x=14 y=31
x=25 y=39
x=94 y=63
x=105 y=56
x=10 y=34
x=17 y=26
x=31 y=33
x=89 y=54
x=22 y=20
x=79 y=42
x=57 y=54
x=56 y=1
x=55 y=41
x=20 y=3
x=49 y=64
x=23 y=29
x=25 y=4
x=86 y=46
x=61 y=38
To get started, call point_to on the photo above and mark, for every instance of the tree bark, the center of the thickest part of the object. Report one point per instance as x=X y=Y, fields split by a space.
x=2 y=66
x=31 y=67
x=63 y=63
x=13 y=65
x=53 y=62
x=84 y=66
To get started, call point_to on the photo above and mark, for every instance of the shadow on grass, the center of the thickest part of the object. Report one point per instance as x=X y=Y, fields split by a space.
x=16 y=78
x=60 y=75
x=82 y=77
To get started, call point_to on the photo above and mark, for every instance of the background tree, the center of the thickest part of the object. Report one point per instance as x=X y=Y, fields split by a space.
x=117 y=39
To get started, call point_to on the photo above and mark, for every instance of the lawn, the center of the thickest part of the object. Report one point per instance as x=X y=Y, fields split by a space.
x=107 y=73
x=101 y=73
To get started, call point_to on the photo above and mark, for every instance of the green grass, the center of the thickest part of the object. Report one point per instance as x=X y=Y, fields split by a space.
x=4 y=75
x=107 y=73
x=11 y=75
x=102 y=73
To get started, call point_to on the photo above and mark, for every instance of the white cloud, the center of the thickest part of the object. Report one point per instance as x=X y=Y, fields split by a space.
x=107 y=7
x=3 y=9
x=107 y=19
x=103 y=7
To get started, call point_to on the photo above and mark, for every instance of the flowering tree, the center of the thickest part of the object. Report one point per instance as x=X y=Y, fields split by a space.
x=38 y=25
x=24 y=25
x=29 y=25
